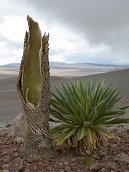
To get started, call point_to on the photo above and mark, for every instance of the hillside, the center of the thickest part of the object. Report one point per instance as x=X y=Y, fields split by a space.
x=10 y=104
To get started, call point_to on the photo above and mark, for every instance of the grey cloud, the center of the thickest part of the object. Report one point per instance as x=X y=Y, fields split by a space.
x=11 y=44
x=98 y=20
x=9 y=51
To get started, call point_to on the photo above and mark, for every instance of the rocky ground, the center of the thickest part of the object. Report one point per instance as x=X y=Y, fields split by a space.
x=115 y=158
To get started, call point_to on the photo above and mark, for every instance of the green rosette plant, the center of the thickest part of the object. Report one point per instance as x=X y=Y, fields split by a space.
x=83 y=113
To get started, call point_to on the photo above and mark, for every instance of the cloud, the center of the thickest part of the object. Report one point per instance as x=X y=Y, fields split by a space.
x=13 y=28
x=101 y=22
x=80 y=31
x=89 y=16
x=9 y=54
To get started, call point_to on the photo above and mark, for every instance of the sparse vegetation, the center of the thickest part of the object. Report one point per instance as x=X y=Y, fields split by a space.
x=84 y=112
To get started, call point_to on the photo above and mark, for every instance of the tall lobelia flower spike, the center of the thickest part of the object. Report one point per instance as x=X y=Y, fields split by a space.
x=34 y=89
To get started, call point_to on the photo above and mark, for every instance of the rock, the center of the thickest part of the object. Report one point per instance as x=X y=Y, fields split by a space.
x=123 y=158
x=73 y=159
x=61 y=164
x=66 y=163
x=72 y=164
x=18 y=128
x=26 y=170
x=126 y=170
x=16 y=165
x=110 y=165
x=127 y=131
x=49 y=168
x=102 y=170
x=5 y=166
x=8 y=125
x=114 y=152
x=3 y=153
x=19 y=140
x=4 y=171
x=15 y=154
x=67 y=168
x=34 y=167
x=6 y=159
x=96 y=167
x=114 y=146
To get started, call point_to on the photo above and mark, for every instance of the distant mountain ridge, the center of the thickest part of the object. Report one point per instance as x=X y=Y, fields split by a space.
x=11 y=65
x=68 y=65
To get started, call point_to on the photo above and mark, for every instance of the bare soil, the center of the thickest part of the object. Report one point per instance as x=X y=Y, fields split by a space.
x=115 y=157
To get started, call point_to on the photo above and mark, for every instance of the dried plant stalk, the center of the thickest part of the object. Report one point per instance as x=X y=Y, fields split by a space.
x=34 y=89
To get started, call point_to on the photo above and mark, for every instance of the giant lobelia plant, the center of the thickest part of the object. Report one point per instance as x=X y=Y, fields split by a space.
x=34 y=89
x=84 y=112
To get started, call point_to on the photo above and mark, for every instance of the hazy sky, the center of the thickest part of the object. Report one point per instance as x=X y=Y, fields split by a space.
x=93 y=31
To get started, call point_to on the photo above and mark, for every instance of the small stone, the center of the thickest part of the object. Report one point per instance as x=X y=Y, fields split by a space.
x=4 y=170
x=40 y=163
x=26 y=170
x=67 y=168
x=48 y=168
x=102 y=170
x=16 y=165
x=19 y=140
x=66 y=163
x=61 y=164
x=123 y=157
x=6 y=159
x=13 y=150
x=127 y=131
x=105 y=158
x=73 y=159
x=96 y=166
x=15 y=154
x=72 y=165
x=5 y=166
x=114 y=146
x=34 y=167
x=3 y=154
x=8 y=125
x=114 y=152
x=126 y=170
x=110 y=165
